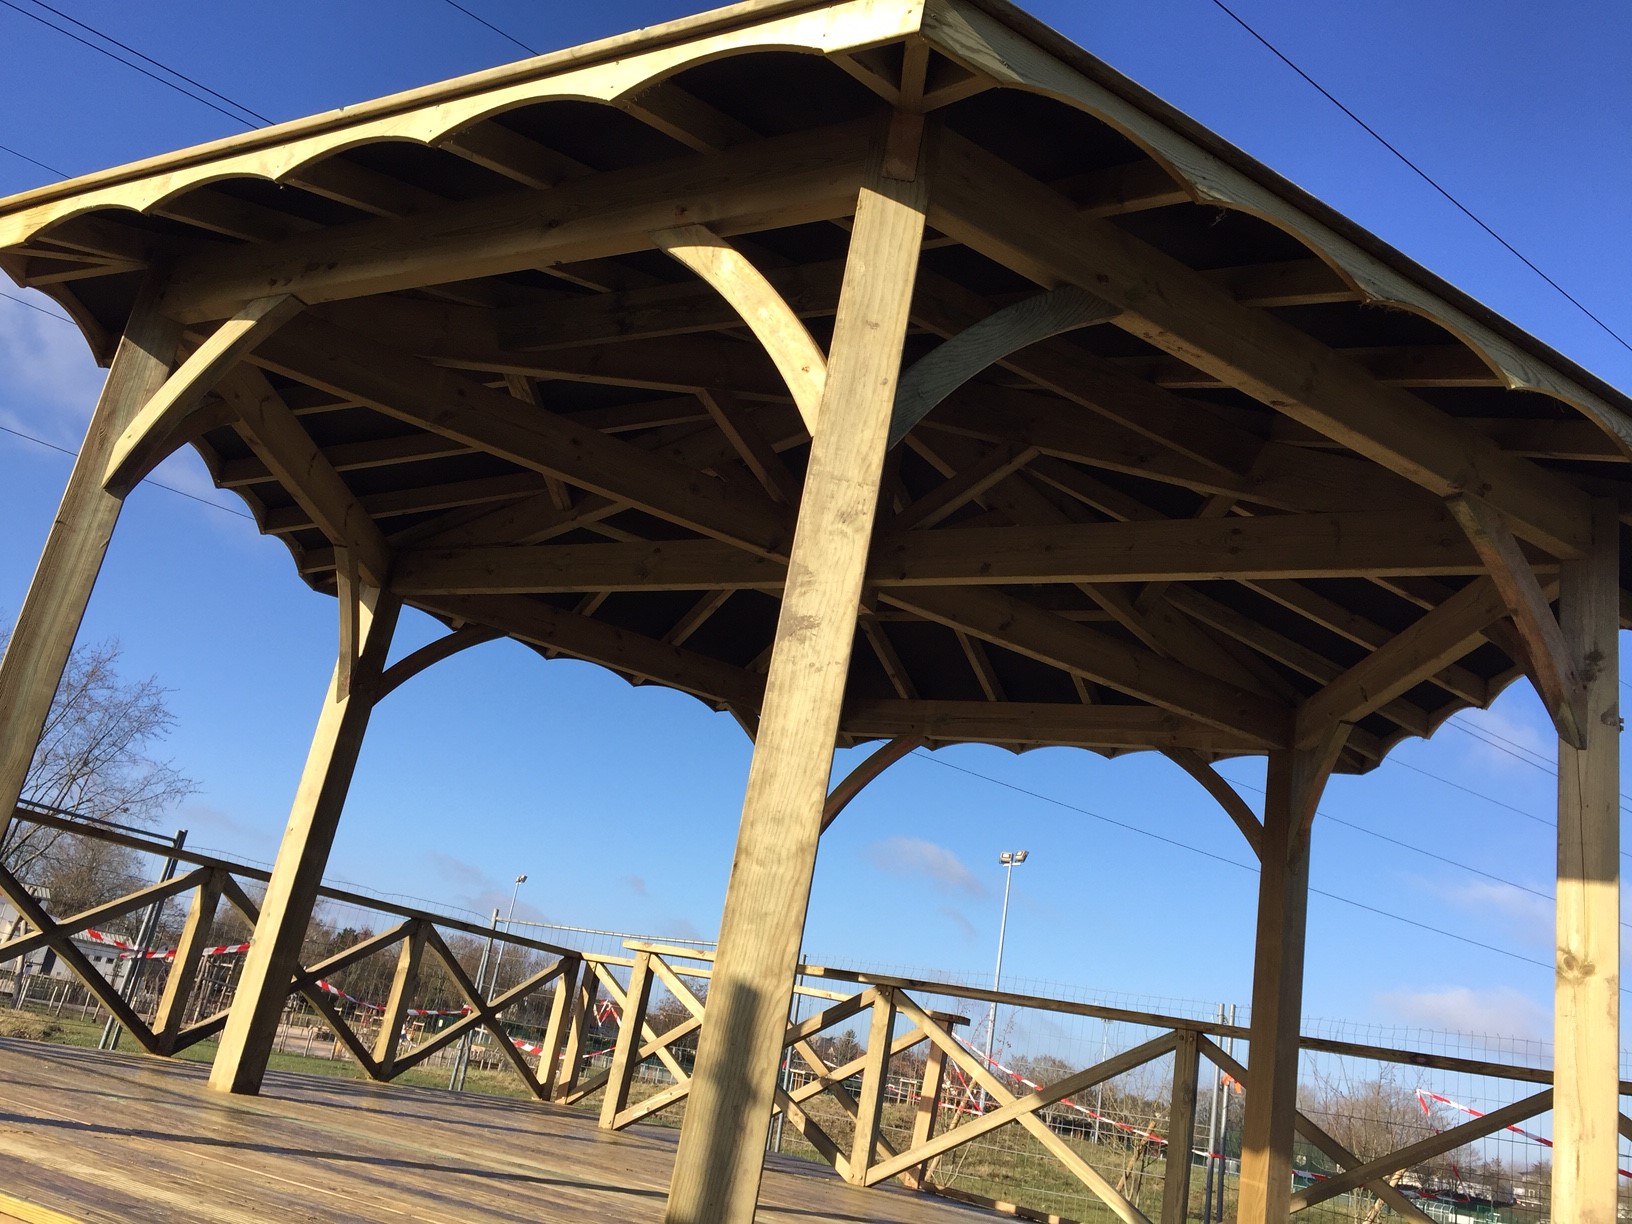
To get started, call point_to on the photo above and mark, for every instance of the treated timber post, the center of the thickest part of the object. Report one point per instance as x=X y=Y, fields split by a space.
x=61 y=588
x=1181 y=1128
x=626 y=1054
x=717 y=1168
x=555 y=1031
x=1296 y=778
x=403 y=983
x=1586 y=1019
x=585 y=994
x=274 y=952
x=178 y=983
x=874 y=1082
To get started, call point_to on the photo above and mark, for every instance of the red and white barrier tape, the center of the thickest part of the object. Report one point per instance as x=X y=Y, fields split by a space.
x=1082 y=1109
x=1424 y=1096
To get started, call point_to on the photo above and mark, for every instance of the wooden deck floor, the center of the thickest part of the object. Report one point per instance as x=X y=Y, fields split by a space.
x=114 y=1139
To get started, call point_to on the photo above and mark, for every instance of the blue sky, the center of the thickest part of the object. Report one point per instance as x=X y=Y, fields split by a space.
x=620 y=803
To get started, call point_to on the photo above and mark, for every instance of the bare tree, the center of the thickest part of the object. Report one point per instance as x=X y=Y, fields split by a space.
x=95 y=759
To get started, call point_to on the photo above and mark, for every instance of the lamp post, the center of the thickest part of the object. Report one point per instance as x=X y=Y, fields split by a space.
x=493 y=986
x=461 y=1060
x=1009 y=859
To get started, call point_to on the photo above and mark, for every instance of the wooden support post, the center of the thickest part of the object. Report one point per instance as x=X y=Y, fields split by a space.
x=274 y=953
x=717 y=1168
x=874 y=1081
x=1181 y=1128
x=403 y=983
x=626 y=1055
x=1296 y=778
x=178 y=983
x=585 y=995
x=55 y=604
x=555 y=1031
x=929 y=1104
x=1586 y=1018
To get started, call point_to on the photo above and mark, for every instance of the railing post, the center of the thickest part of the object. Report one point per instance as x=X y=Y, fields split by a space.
x=874 y=1080
x=555 y=1031
x=586 y=994
x=625 y=1058
x=1181 y=1128
x=929 y=1098
x=178 y=983
x=403 y=984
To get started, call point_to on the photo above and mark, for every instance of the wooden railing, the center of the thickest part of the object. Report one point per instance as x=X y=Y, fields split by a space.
x=556 y=1068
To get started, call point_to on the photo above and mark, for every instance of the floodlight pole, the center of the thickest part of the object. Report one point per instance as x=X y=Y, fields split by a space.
x=498 y=959
x=1008 y=859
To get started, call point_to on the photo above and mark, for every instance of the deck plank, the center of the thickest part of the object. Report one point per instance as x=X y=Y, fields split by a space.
x=112 y=1139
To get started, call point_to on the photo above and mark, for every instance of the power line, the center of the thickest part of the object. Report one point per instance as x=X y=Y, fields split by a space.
x=149 y=59
x=1518 y=956
x=33 y=161
x=484 y=21
x=50 y=314
x=1422 y=850
x=168 y=84
x=1424 y=176
x=63 y=450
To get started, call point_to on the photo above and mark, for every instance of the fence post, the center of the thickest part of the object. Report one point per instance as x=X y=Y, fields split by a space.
x=555 y=1031
x=929 y=1099
x=178 y=983
x=874 y=1080
x=625 y=1058
x=586 y=995
x=1181 y=1128
x=403 y=984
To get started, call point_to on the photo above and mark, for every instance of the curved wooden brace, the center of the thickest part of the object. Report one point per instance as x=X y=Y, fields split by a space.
x=156 y=431
x=1213 y=783
x=954 y=363
x=446 y=646
x=798 y=358
x=857 y=779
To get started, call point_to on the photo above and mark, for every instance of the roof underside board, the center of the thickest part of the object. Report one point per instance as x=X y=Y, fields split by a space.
x=1168 y=508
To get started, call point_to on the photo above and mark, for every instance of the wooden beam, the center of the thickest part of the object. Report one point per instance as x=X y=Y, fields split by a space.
x=790 y=180
x=717 y=1167
x=1539 y=637
x=1181 y=312
x=455 y=406
x=1012 y=623
x=1165 y=550
x=633 y=654
x=1038 y=722
x=1587 y=996
x=1410 y=657
x=935 y=376
x=1181 y=1127
x=788 y=342
x=43 y=635
x=664 y=310
x=274 y=952
x=156 y=429
x=299 y=465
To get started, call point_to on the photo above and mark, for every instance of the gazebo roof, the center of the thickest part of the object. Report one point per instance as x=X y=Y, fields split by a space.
x=1178 y=439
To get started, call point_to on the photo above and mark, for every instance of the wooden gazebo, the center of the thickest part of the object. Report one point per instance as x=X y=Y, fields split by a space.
x=871 y=370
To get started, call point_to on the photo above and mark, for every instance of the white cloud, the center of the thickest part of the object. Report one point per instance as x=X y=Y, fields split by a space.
x=913 y=856
x=1463 y=1009
x=48 y=378
x=1516 y=909
x=1498 y=742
